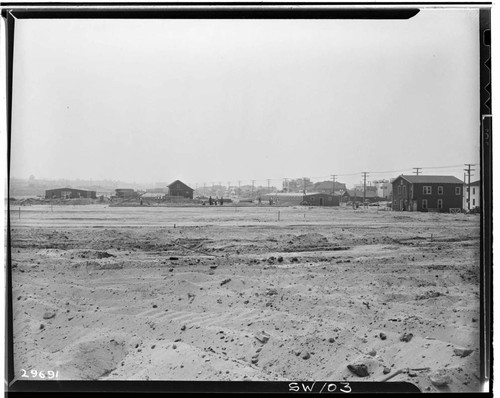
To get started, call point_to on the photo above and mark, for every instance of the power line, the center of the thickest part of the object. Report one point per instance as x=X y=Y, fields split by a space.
x=327 y=177
x=442 y=167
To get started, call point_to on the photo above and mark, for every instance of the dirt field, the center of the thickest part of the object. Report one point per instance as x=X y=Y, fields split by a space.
x=225 y=293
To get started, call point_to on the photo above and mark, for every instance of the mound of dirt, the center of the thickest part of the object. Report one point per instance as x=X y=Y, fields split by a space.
x=93 y=254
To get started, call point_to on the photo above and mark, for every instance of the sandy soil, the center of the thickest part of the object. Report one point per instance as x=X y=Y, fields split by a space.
x=234 y=294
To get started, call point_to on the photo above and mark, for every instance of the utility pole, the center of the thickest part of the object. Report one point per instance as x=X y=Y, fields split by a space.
x=304 y=179
x=417 y=168
x=285 y=185
x=333 y=187
x=468 y=170
x=364 y=187
x=268 y=182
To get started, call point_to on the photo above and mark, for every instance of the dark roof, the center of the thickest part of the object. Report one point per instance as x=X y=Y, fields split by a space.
x=431 y=179
x=176 y=181
x=475 y=183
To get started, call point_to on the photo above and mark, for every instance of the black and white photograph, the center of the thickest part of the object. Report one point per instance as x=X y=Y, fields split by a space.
x=239 y=194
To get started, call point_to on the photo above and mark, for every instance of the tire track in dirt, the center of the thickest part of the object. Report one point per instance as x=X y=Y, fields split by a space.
x=331 y=305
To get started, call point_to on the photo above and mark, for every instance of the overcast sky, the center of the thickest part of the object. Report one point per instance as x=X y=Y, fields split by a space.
x=239 y=100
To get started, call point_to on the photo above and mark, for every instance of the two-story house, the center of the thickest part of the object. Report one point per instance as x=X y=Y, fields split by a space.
x=427 y=193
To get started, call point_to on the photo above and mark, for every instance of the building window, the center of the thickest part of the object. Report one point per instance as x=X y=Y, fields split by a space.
x=424 y=203
x=399 y=189
x=440 y=190
x=457 y=190
x=473 y=202
x=440 y=203
x=473 y=191
x=427 y=190
x=404 y=189
x=467 y=190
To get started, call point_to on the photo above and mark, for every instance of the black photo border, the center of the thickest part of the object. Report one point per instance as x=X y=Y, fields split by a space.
x=11 y=11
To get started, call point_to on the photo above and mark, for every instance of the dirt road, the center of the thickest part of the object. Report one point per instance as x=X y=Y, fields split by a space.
x=235 y=294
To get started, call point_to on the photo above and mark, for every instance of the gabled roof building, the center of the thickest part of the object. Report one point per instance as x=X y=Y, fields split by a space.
x=427 y=193
x=179 y=189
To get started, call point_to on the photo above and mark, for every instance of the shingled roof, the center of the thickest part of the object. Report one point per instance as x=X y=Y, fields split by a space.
x=431 y=179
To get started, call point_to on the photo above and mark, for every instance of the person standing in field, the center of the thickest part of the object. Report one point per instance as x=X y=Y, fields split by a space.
x=210 y=201
x=221 y=201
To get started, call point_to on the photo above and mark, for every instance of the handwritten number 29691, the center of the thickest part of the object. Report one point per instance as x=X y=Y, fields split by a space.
x=35 y=374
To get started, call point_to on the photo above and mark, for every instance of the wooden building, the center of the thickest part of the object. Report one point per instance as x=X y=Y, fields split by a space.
x=427 y=193
x=178 y=188
x=69 y=193
x=321 y=199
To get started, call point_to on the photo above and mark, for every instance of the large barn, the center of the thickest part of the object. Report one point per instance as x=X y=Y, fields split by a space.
x=69 y=193
x=179 y=189
x=427 y=193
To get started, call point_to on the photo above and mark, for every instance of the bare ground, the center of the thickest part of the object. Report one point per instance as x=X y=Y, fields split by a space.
x=235 y=294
